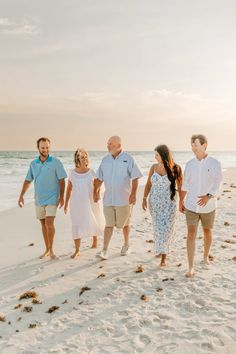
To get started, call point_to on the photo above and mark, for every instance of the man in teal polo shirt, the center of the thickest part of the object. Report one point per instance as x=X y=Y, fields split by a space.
x=48 y=175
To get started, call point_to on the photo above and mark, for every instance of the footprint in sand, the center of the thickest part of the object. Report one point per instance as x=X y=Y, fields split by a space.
x=207 y=346
x=144 y=339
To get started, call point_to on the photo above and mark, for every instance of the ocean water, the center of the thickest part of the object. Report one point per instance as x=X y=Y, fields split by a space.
x=14 y=166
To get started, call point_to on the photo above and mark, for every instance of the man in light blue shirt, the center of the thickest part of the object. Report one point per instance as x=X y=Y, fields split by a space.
x=48 y=175
x=120 y=173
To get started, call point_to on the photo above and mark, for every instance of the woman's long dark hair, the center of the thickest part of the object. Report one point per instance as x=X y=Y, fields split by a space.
x=173 y=170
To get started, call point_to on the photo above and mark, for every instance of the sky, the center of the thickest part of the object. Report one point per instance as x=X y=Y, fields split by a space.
x=153 y=71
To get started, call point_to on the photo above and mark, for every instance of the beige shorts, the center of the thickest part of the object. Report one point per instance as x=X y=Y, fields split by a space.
x=118 y=216
x=45 y=210
x=207 y=219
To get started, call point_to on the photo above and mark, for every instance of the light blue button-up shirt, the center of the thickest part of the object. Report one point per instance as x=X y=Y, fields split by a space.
x=117 y=174
x=46 y=178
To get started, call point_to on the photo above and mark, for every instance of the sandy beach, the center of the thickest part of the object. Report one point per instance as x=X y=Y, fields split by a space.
x=108 y=307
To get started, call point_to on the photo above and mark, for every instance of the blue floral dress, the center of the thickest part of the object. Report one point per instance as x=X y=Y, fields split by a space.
x=163 y=212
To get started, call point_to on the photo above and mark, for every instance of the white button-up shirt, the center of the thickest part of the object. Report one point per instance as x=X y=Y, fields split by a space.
x=117 y=174
x=200 y=178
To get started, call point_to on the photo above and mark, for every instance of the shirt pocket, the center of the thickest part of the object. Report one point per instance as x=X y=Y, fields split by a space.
x=122 y=170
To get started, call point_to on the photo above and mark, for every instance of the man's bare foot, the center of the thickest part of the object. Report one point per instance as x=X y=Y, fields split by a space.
x=163 y=264
x=45 y=254
x=205 y=261
x=53 y=256
x=75 y=254
x=190 y=273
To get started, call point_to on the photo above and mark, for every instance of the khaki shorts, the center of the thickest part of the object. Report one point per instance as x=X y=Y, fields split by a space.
x=207 y=219
x=45 y=210
x=118 y=216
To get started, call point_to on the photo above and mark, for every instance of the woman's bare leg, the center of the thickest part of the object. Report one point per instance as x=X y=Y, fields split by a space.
x=77 y=248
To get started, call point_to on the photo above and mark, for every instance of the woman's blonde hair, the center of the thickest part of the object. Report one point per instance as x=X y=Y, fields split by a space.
x=77 y=156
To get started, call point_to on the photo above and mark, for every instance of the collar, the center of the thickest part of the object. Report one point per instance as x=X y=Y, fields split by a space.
x=202 y=160
x=49 y=159
x=118 y=156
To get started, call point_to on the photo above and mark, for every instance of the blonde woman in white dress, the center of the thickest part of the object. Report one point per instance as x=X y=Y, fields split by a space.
x=86 y=216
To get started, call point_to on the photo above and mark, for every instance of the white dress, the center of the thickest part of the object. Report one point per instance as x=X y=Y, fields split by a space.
x=86 y=216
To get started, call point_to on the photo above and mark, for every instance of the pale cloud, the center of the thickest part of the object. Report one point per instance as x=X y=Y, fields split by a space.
x=18 y=28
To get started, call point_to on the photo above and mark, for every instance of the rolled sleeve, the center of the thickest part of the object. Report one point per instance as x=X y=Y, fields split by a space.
x=29 y=177
x=70 y=175
x=186 y=180
x=217 y=180
x=134 y=170
x=60 y=171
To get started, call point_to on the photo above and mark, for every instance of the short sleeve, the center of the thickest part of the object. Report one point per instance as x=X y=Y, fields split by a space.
x=60 y=171
x=93 y=172
x=70 y=175
x=99 y=174
x=134 y=170
x=29 y=177
x=186 y=179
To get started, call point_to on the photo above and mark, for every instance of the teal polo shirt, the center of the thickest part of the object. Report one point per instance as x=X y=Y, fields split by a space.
x=46 y=178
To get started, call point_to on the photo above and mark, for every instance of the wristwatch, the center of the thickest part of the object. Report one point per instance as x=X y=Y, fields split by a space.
x=210 y=195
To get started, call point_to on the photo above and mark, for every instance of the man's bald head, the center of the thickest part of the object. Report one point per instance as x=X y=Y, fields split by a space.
x=114 y=145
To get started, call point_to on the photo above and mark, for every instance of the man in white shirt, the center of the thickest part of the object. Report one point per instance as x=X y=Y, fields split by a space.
x=120 y=173
x=201 y=184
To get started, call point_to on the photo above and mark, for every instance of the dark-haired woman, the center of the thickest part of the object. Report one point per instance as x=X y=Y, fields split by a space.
x=86 y=216
x=164 y=177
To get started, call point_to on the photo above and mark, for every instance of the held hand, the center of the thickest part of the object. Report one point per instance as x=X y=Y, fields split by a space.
x=21 y=202
x=132 y=199
x=96 y=197
x=60 y=202
x=181 y=207
x=144 y=204
x=203 y=200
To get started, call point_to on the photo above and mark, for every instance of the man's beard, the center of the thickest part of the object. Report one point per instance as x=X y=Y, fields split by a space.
x=44 y=154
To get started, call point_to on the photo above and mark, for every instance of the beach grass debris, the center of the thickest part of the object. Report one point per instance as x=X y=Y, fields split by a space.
x=167 y=279
x=28 y=295
x=36 y=302
x=230 y=241
x=53 y=309
x=139 y=269
x=2 y=318
x=17 y=306
x=144 y=297
x=158 y=290
x=28 y=309
x=85 y=288
x=32 y=325
x=102 y=275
